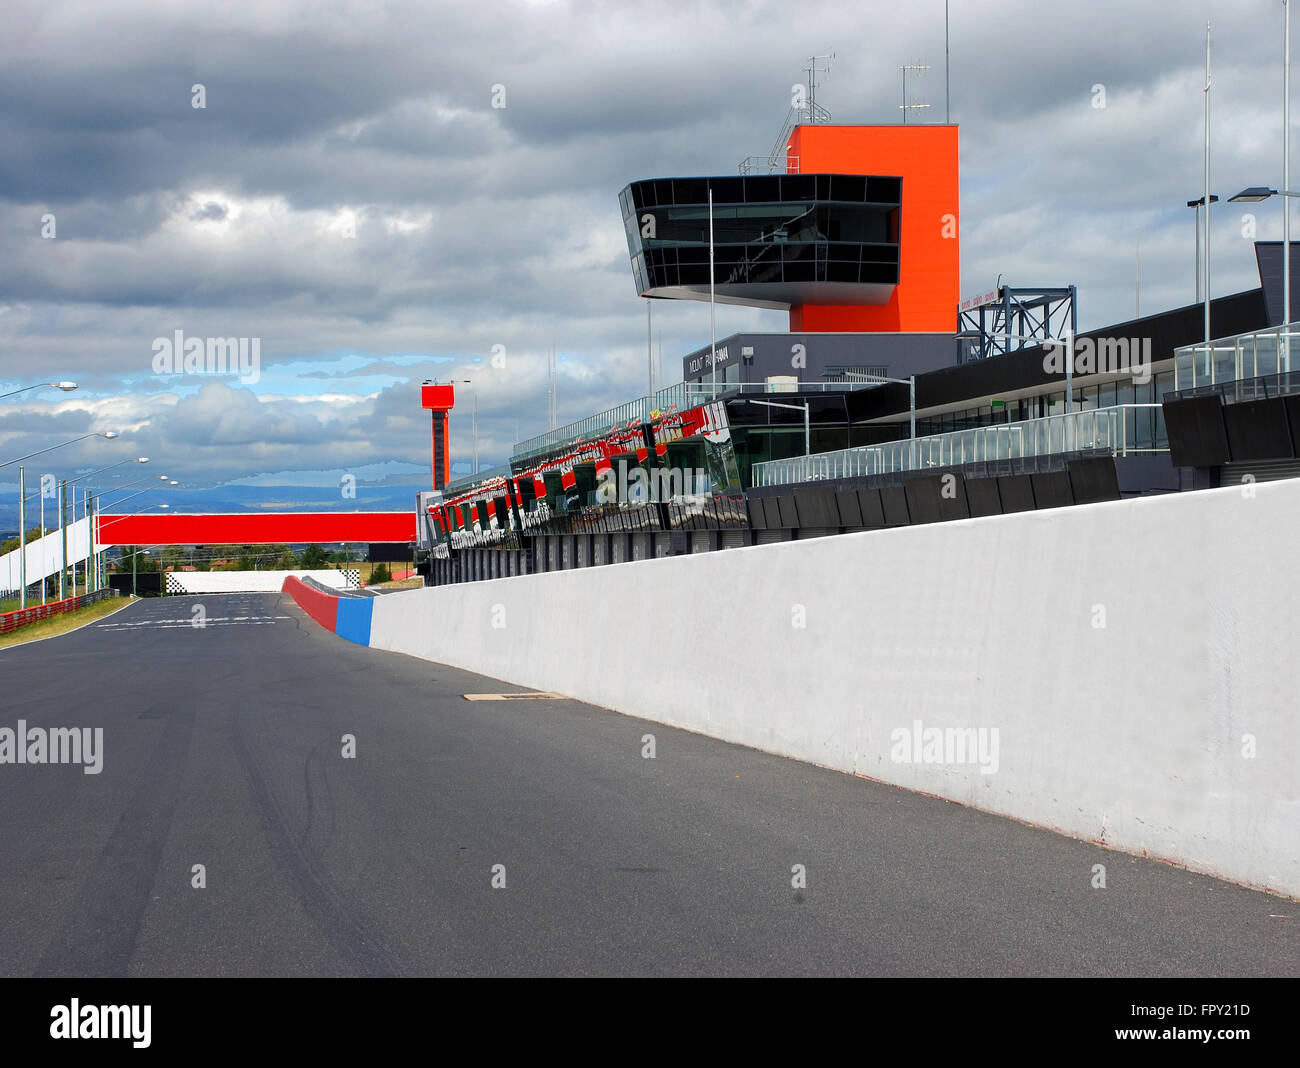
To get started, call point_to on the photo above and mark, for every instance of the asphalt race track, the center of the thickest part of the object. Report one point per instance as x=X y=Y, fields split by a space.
x=223 y=747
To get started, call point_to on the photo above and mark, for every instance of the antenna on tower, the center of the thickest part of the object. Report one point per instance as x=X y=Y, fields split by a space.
x=804 y=109
x=815 y=64
x=905 y=106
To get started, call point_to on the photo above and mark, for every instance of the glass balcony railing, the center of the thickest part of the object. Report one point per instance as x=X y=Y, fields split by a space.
x=1254 y=355
x=1121 y=430
x=609 y=419
x=683 y=395
x=468 y=482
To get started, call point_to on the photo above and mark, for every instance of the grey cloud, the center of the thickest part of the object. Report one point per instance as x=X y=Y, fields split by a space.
x=384 y=110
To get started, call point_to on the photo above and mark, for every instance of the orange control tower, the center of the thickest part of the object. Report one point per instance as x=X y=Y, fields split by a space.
x=929 y=276
x=439 y=400
x=861 y=234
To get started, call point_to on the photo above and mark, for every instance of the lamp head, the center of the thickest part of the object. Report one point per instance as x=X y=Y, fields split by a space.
x=1252 y=195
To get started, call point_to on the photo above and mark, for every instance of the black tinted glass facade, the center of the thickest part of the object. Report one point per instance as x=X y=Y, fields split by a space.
x=783 y=232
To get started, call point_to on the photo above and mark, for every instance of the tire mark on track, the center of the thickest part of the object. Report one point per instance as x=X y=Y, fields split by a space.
x=353 y=937
x=99 y=936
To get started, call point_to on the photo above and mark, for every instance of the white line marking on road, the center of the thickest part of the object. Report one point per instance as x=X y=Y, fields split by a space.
x=228 y=620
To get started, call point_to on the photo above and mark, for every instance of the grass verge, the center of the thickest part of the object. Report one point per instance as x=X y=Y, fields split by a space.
x=61 y=624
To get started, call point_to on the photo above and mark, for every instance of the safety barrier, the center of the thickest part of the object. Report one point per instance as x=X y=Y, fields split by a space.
x=255 y=581
x=11 y=621
x=348 y=617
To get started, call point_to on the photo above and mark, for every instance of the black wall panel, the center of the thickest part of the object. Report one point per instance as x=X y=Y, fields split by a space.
x=789 y=516
x=816 y=506
x=923 y=498
x=982 y=497
x=1258 y=430
x=1017 y=493
x=894 y=501
x=952 y=498
x=1052 y=489
x=846 y=503
x=1292 y=405
x=873 y=512
x=147 y=583
x=1197 y=437
x=1093 y=480
x=390 y=552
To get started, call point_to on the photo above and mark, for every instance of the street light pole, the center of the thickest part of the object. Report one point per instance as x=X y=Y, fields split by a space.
x=92 y=564
x=44 y=558
x=22 y=539
x=1196 y=204
x=63 y=537
x=109 y=434
x=67 y=387
x=909 y=382
x=1253 y=195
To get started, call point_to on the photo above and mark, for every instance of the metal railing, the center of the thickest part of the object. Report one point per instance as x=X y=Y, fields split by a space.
x=1236 y=390
x=467 y=482
x=609 y=419
x=683 y=395
x=1253 y=355
x=1122 y=429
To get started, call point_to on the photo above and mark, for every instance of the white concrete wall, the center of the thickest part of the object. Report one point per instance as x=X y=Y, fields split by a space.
x=44 y=554
x=1130 y=734
x=252 y=581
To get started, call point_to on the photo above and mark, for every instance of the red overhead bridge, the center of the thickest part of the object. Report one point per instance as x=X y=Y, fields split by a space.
x=255 y=528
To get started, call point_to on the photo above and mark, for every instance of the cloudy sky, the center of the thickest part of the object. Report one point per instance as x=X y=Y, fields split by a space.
x=350 y=196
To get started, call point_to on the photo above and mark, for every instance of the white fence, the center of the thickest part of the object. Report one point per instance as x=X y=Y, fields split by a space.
x=44 y=556
x=254 y=581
